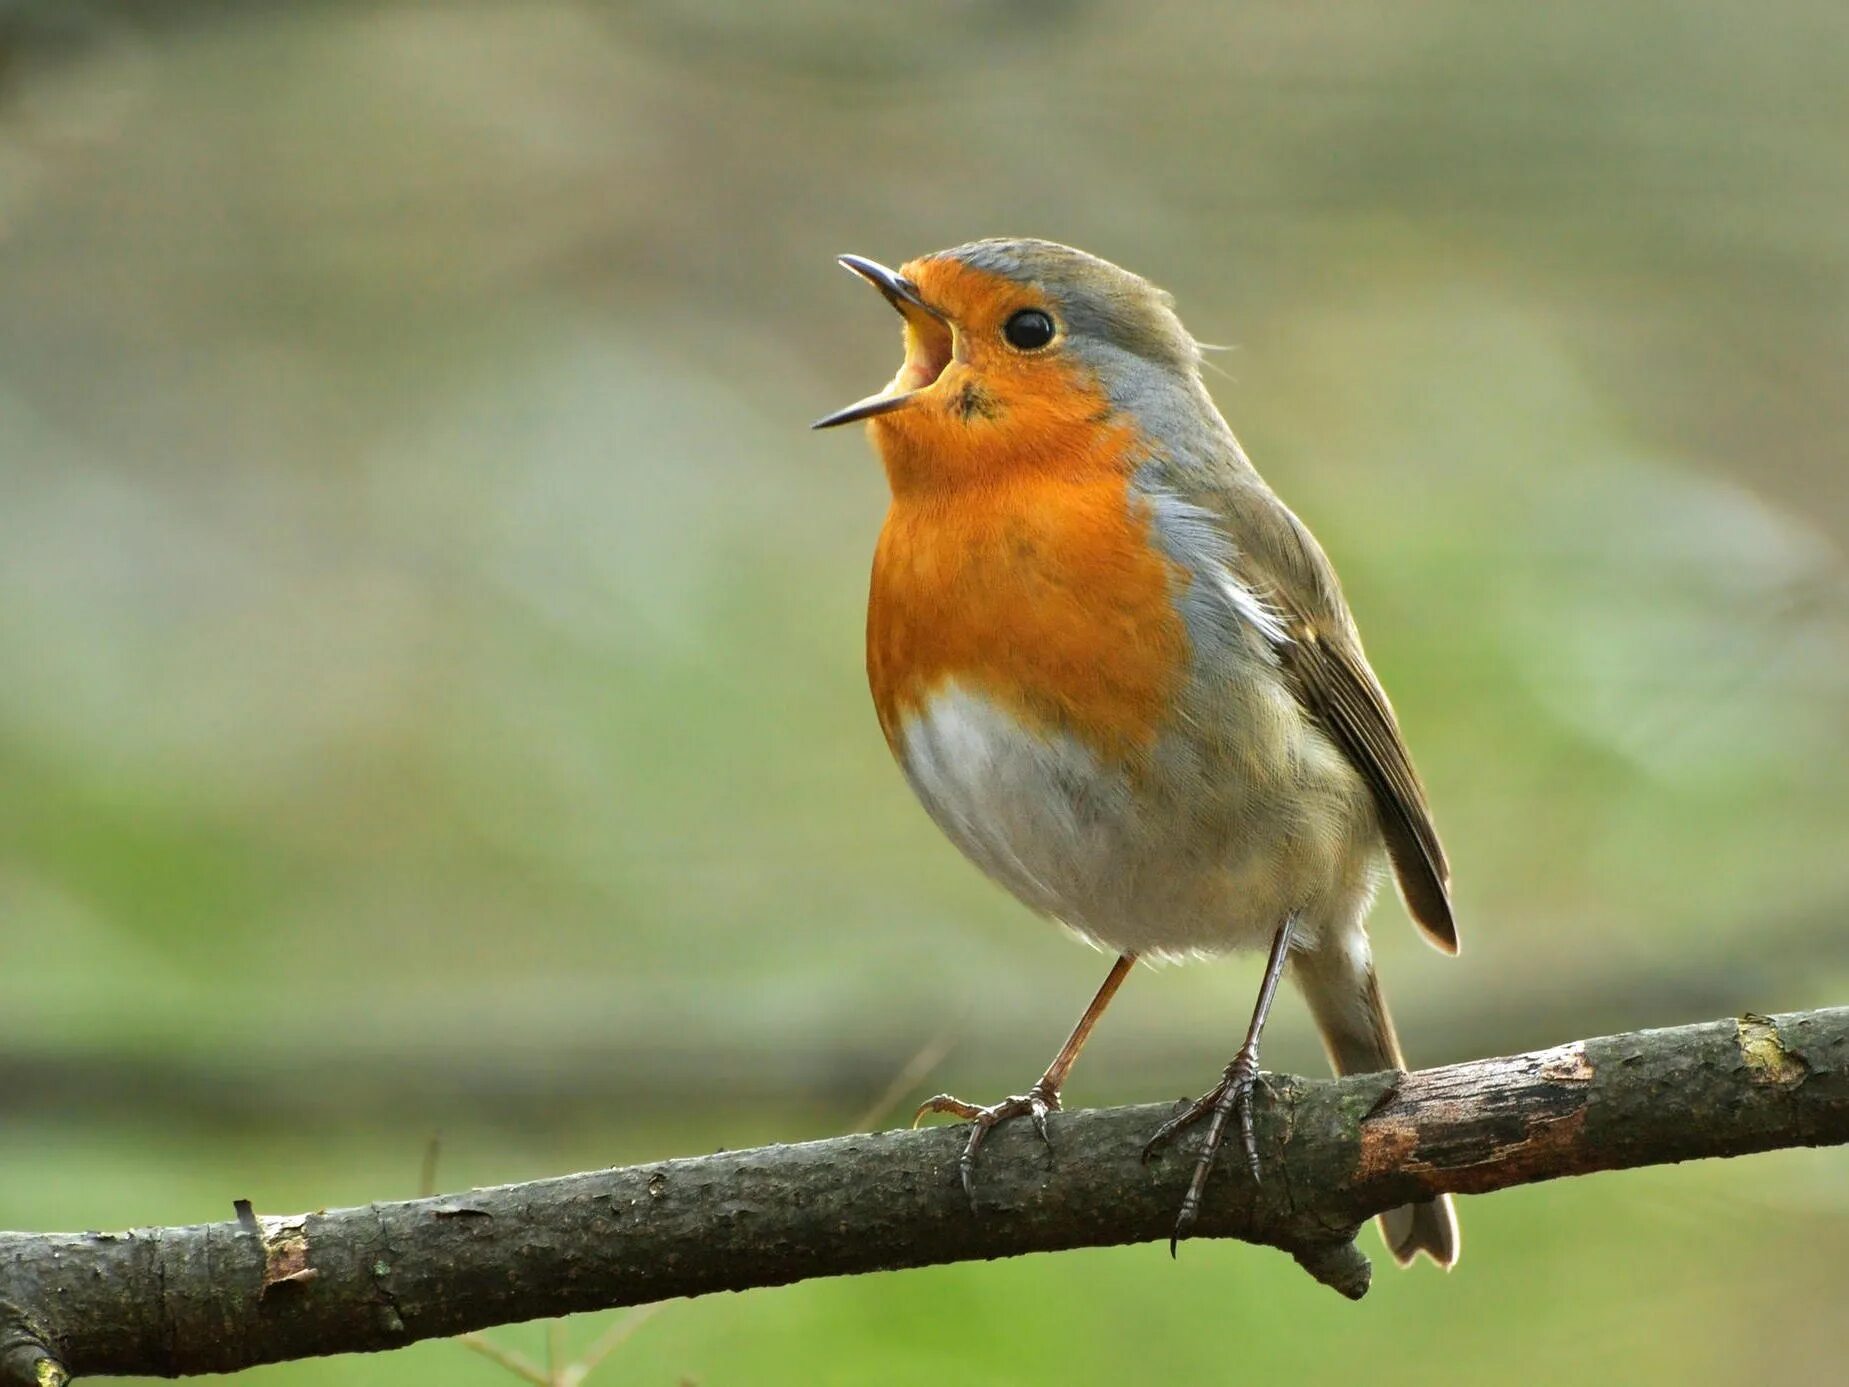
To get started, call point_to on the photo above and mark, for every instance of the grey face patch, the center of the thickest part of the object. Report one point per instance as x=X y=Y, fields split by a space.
x=1171 y=407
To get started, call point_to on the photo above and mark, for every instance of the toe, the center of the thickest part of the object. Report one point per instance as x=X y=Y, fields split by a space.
x=1187 y=1117
x=945 y=1103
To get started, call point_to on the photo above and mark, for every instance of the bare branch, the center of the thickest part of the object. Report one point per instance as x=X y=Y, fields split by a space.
x=223 y=1296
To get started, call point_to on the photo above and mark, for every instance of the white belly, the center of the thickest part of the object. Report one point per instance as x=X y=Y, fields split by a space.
x=1201 y=853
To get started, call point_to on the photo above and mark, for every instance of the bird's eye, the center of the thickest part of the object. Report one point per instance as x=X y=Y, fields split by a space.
x=1029 y=330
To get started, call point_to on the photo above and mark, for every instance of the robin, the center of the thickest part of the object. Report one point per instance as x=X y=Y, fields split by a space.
x=1120 y=674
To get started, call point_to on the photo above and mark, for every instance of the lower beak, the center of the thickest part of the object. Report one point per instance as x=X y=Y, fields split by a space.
x=881 y=403
x=903 y=295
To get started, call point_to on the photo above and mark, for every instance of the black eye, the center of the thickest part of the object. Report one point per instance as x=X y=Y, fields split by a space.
x=1029 y=330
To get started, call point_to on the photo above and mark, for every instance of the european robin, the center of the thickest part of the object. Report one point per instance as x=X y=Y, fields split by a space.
x=1120 y=674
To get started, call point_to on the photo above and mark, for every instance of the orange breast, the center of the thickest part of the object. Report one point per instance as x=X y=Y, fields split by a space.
x=1039 y=588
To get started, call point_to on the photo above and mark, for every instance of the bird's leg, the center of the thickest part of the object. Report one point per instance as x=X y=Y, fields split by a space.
x=1233 y=1094
x=1038 y=1101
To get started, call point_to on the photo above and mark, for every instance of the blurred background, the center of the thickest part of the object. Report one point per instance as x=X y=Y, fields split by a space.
x=430 y=641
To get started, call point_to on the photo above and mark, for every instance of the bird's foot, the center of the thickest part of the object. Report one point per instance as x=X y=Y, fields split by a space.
x=1036 y=1103
x=1232 y=1095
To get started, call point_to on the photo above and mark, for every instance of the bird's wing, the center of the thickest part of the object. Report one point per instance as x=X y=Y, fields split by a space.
x=1278 y=560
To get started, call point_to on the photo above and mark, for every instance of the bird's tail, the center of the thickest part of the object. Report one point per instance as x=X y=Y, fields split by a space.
x=1339 y=982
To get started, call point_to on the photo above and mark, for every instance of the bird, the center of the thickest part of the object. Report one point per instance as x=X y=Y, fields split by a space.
x=1121 y=676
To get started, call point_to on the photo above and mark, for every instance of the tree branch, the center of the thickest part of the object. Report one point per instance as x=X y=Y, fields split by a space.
x=223 y=1296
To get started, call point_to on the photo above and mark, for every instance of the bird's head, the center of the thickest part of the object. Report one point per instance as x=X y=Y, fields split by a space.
x=1022 y=354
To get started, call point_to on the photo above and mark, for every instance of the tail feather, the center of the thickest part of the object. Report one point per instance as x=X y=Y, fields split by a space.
x=1430 y=1228
x=1339 y=982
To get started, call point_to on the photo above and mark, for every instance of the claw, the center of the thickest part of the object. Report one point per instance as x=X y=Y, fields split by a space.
x=1037 y=1103
x=1039 y=1113
x=1183 y=1222
x=1233 y=1094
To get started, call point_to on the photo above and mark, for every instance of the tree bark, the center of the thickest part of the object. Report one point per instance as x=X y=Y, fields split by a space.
x=218 y=1297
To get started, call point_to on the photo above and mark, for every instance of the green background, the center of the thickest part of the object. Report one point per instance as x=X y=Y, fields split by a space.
x=430 y=687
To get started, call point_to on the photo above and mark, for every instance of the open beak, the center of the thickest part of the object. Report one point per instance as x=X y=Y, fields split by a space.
x=899 y=291
x=928 y=344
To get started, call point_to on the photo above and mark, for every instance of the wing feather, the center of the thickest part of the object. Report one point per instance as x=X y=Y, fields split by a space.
x=1275 y=556
x=1333 y=681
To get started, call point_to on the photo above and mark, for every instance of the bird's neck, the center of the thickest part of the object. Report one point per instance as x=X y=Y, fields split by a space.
x=970 y=439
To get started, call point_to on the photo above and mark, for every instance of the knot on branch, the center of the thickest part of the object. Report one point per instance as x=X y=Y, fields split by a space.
x=25 y=1358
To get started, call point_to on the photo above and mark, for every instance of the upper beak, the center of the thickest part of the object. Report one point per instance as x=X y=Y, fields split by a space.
x=899 y=290
x=903 y=295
